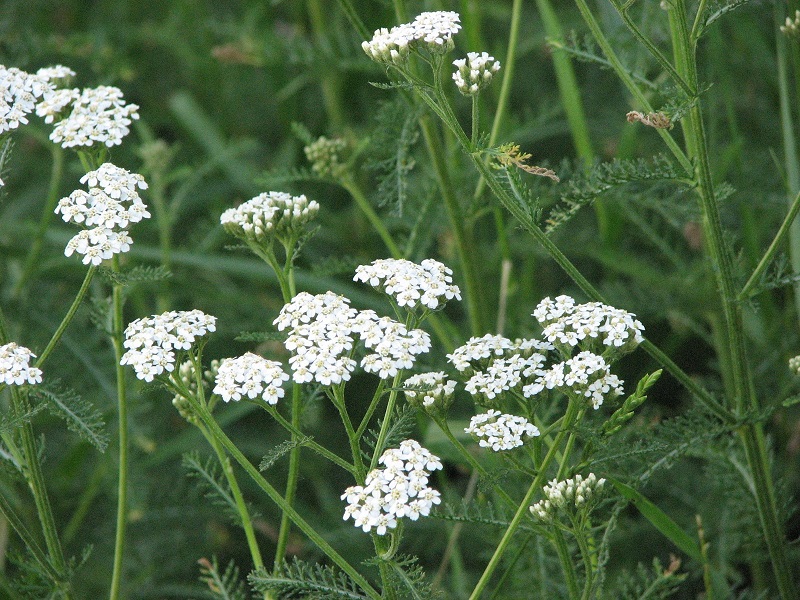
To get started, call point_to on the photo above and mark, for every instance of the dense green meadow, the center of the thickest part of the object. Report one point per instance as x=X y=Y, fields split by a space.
x=639 y=155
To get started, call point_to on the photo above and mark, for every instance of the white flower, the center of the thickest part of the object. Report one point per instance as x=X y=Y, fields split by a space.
x=396 y=491
x=15 y=366
x=500 y=432
x=431 y=390
x=474 y=72
x=432 y=31
x=428 y=284
x=152 y=341
x=395 y=347
x=592 y=326
x=252 y=376
x=586 y=374
x=568 y=495
x=269 y=215
x=20 y=90
x=97 y=116
x=794 y=364
x=111 y=204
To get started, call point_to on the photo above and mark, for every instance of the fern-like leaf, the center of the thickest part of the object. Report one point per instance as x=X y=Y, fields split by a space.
x=300 y=579
x=223 y=585
x=259 y=337
x=654 y=583
x=410 y=579
x=483 y=513
x=9 y=423
x=212 y=483
x=79 y=414
x=140 y=274
x=404 y=420
x=276 y=453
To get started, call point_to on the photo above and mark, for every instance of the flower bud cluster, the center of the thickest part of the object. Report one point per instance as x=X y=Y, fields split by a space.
x=153 y=341
x=15 y=366
x=186 y=375
x=591 y=326
x=474 y=72
x=792 y=26
x=568 y=495
x=268 y=216
x=428 y=284
x=252 y=376
x=398 y=490
x=19 y=92
x=433 y=391
x=96 y=116
x=111 y=204
x=325 y=156
x=586 y=375
x=431 y=31
x=794 y=364
x=500 y=432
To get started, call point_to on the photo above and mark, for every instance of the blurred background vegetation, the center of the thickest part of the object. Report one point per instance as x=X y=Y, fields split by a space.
x=220 y=85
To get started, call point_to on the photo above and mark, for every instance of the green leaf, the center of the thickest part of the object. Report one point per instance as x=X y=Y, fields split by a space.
x=300 y=579
x=80 y=415
x=659 y=519
x=227 y=585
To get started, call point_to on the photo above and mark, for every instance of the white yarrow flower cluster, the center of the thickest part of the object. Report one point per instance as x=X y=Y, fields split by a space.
x=479 y=352
x=792 y=25
x=499 y=431
x=575 y=493
x=325 y=155
x=19 y=92
x=474 y=72
x=320 y=337
x=395 y=347
x=252 y=376
x=97 y=116
x=269 y=215
x=432 y=31
x=428 y=284
x=15 y=368
x=586 y=375
x=398 y=490
x=592 y=326
x=505 y=374
x=431 y=390
x=153 y=341
x=111 y=204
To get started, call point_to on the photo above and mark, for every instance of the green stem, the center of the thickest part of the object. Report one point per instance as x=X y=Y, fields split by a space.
x=32 y=261
x=215 y=430
x=387 y=420
x=68 y=317
x=565 y=559
x=373 y=218
x=722 y=261
x=331 y=83
x=291 y=479
x=773 y=248
x=122 y=407
x=376 y=397
x=569 y=421
x=355 y=450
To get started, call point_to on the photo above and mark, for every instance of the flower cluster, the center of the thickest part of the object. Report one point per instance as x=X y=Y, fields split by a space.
x=474 y=72
x=111 y=204
x=432 y=31
x=479 y=352
x=19 y=92
x=325 y=156
x=398 y=490
x=268 y=216
x=15 y=366
x=586 y=375
x=592 y=326
x=792 y=26
x=794 y=364
x=563 y=495
x=430 y=390
x=500 y=432
x=97 y=116
x=394 y=346
x=504 y=374
x=320 y=337
x=428 y=284
x=152 y=341
x=252 y=376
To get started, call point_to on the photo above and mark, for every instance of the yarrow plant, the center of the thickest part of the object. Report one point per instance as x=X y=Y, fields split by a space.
x=110 y=206
x=398 y=490
x=428 y=284
x=252 y=376
x=15 y=367
x=474 y=72
x=20 y=91
x=430 y=31
x=501 y=432
x=570 y=495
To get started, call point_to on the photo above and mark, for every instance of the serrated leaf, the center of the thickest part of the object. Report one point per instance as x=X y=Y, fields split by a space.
x=79 y=414
x=225 y=585
x=9 y=423
x=212 y=483
x=140 y=274
x=279 y=451
x=300 y=579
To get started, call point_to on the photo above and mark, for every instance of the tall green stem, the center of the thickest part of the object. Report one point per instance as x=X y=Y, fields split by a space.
x=117 y=327
x=744 y=396
x=291 y=479
x=569 y=420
